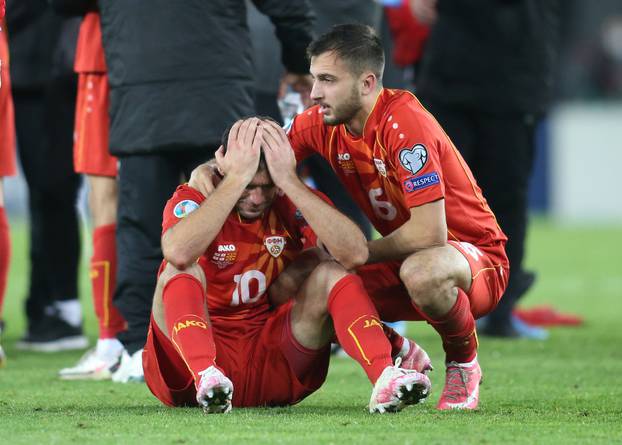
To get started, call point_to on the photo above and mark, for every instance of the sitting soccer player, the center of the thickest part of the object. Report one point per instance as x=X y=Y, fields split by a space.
x=214 y=338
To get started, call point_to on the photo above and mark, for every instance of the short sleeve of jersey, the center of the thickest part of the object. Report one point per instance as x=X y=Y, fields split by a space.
x=306 y=133
x=184 y=201
x=413 y=141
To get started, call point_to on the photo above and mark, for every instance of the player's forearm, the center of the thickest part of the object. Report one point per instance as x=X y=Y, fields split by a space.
x=426 y=228
x=403 y=242
x=185 y=242
x=342 y=238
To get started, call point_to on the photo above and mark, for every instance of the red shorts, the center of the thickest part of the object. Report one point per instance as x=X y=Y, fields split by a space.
x=7 y=119
x=91 y=153
x=489 y=273
x=259 y=361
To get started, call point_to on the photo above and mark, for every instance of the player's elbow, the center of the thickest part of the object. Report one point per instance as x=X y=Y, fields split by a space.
x=177 y=257
x=354 y=256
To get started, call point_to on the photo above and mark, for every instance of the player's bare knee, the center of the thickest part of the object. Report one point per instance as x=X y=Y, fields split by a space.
x=425 y=284
x=318 y=287
x=326 y=275
x=171 y=271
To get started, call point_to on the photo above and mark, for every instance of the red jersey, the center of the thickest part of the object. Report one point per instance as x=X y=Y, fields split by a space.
x=245 y=257
x=2 y=9
x=403 y=159
x=90 y=48
x=7 y=121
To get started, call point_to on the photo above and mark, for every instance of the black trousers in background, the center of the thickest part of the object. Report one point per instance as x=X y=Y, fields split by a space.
x=499 y=149
x=146 y=182
x=44 y=120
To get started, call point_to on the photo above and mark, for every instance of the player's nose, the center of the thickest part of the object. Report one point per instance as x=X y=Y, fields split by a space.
x=257 y=196
x=316 y=93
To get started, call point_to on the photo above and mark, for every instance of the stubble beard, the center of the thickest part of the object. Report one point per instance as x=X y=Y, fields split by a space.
x=346 y=111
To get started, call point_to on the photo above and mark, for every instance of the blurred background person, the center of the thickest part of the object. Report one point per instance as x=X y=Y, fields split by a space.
x=7 y=163
x=487 y=76
x=42 y=46
x=92 y=158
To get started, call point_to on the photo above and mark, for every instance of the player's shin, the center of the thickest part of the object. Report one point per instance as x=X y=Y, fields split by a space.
x=103 y=281
x=183 y=298
x=457 y=330
x=358 y=327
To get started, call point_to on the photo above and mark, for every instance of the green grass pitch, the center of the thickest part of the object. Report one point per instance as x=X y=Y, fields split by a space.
x=564 y=390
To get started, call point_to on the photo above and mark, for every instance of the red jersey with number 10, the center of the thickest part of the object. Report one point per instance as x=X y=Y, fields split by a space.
x=245 y=257
x=403 y=160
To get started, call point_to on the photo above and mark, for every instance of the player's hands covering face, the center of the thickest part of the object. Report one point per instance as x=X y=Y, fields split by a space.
x=279 y=154
x=243 y=150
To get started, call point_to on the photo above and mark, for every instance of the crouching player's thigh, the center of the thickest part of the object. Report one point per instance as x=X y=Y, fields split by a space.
x=489 y=275
x=488 y=272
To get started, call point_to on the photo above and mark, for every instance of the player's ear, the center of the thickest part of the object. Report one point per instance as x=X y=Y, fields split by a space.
x=369 y=83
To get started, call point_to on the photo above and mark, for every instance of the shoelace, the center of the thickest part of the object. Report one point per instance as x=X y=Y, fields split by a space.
x=457 y=382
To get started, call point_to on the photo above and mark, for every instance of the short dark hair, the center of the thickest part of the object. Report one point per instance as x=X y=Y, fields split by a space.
x=358 y=45
x=225 y=137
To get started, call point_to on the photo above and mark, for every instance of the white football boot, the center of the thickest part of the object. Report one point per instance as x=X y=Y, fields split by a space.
x=397 y=387
x=215 y=391
x=131 y=368
x=96 y=364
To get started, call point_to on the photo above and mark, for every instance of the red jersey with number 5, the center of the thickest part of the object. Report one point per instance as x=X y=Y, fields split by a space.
x=245 y=257
x=403 y=160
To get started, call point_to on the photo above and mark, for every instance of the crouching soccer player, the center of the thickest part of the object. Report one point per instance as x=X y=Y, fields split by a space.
x=214 y=339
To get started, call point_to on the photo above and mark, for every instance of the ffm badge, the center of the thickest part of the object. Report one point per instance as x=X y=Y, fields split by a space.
x=382 y=169
x=275 y=245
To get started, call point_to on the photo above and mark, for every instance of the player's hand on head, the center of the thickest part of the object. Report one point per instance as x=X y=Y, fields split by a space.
x=279 y=155
x=243 y=150
x=205 y=177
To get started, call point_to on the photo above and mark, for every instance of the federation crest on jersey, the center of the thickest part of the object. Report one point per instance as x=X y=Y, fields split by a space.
x=382 y=169
x=185 y=207
x=413 y=159
x=275 y=245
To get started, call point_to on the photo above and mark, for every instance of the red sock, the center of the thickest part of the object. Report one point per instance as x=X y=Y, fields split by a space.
x=104 y=280
x=184 y=310
x=5 y=255
x=396 y=340
x=358 y=327
x=457 y=329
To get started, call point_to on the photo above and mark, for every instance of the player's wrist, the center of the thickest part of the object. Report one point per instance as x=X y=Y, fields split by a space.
x=235 y=181
x=289 y=183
